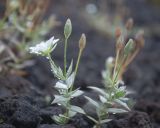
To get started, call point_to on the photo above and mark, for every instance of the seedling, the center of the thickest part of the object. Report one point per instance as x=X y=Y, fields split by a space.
x=66 y=77
x=112 y=99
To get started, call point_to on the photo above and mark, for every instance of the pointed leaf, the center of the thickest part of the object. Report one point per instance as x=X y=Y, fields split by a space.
x=99 y=90
x=72 y=113
x=61 y=85
x=116 y=110
x=92 y=101
x=77 y=93
x=70 y=80
x=58 y=99
x=69 y=69
x=77 y=109
x=122 y=104
x=102 y=99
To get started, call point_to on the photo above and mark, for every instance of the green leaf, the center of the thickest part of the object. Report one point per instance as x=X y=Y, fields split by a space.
x=122 y=104
x=99 y=90
x=91 y=118
x=77 y=109
x=70 y=80
x=77 y=93
x=61 y=119
x=72 y=113
x=59 y=99
x=102 y=99
x=124 y=99
x=60 y=85
x=120 y=94
x=70 y=69
x=92 y=101
x=57 y=71
x=116 y=110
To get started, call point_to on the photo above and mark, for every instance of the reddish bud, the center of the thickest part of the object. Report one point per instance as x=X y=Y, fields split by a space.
x=129 y=24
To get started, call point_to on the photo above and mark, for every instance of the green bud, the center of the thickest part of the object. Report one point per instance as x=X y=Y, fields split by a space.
x=67 y=28
x=129 y=47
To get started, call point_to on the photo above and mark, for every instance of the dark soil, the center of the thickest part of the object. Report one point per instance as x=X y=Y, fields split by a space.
x=26 y=102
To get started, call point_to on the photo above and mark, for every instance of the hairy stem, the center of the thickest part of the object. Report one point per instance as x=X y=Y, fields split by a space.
x=116 y=62
x=78 y=60
x=76 y=68
x=119 y=69
x=65 y=56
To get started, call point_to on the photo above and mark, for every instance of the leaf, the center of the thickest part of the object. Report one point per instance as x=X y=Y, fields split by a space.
x=92 y=101
x=102 y=99
x=60 y=85
x=59 y=99
x=69 y=69
x=120 y=94
x=124 y=99
x=105 y=121
x=122 y=104
x=60 y=72
x=77 y=109
x=116 y=110
x=57 y=71
x=99 y=90
x=91 y=118
x=57 y=119
x=77 y=93
x=72 y=113
x=70 y=80
x=61 y=119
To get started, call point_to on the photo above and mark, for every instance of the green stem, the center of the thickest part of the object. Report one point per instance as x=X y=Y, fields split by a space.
x=116 y=62
x=78 y=60
x=119 y=69
x=76 y=68
x=65 y=56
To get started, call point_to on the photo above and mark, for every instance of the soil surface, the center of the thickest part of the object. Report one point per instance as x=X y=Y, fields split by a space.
x=26 y=102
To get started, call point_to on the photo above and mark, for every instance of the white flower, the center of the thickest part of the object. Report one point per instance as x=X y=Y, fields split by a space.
x=44 y=48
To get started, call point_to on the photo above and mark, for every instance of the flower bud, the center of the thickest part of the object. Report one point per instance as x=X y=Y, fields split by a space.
x=67 y=28
x=13 y=4
x=129 y=24
x=118 y=32
x=129 y=47
x=120 y=43
x=109 y=63
x=82 y=41
x=140 y=39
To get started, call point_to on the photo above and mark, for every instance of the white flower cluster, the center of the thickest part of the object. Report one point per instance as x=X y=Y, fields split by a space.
x=44 y=48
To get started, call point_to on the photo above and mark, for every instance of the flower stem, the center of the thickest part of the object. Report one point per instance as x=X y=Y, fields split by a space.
x=76 y=68
x=65 y=56
x=119 y=69
x=78 y=60
x=116 y=62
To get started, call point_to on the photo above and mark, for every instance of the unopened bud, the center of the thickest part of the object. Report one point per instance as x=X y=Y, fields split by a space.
x=140 y=38
x=118 y=32
x=82 y=41
x=67 y=28
x=120 y=43
x=129 y=47
x=129 y=24
x=109 y=62
x=13 y=4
